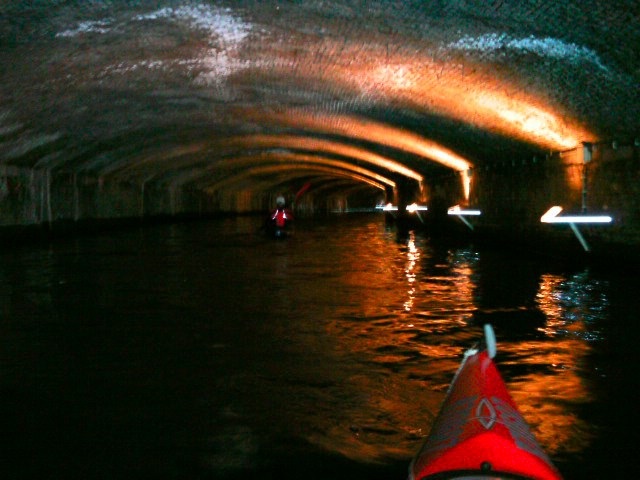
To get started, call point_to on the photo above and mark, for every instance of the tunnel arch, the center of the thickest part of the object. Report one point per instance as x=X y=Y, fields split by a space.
x=108 y=102
x=285 y=172
x=224 y=149
x=292 y=160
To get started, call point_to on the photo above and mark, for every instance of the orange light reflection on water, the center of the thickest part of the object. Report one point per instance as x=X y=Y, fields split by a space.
x=548 y=303
x=408 y=334
x=395 y=332
x=543 y=397
x=570 y=304
x=413 y=255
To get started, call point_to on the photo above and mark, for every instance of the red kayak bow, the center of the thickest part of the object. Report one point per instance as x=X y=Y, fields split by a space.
x=479 y=433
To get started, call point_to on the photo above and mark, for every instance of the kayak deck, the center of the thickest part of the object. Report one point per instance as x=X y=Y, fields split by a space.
x=479 y=432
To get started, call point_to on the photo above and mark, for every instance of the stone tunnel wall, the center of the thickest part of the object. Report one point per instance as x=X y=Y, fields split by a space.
x=512 y=196
x=33 y=197
x=604 y=180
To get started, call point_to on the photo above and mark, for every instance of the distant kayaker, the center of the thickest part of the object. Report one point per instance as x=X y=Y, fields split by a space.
x=281 y=217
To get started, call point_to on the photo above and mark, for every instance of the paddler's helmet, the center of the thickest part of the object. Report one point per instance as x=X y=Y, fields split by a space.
x=280 y=201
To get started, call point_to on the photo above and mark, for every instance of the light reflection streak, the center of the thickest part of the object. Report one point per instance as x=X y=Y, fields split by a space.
x=571 y=306
x=413 y=255
x=414 y=207
x=547 y=301
x=463 y=265
x=551 y=216
x=456 y=210
x=406 y=304
x=466 y=183
x=542 y=397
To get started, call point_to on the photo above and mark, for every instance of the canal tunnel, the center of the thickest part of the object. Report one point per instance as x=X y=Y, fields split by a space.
x=120 y=110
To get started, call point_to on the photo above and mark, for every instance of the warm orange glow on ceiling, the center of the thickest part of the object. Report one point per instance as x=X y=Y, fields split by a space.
x=411 y=76
x=530 y=120
x=365 y=129
x=294 y=159
x=407 y=78
x=185 y=156
x=290 y=159
x=290 y=173
x=469 y=92
x=325 y=146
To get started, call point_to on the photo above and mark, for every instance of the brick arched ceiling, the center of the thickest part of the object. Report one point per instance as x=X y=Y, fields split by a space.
x=346 y=92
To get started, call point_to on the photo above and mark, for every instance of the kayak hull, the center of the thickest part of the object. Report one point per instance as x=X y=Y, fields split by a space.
x=479 y=431
x=278 y=233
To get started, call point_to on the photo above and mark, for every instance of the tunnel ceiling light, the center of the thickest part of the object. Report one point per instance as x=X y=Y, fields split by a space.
x=461 y=213
x=456 y=210
x=414 y=207
x=551 y=216
x=387 y=208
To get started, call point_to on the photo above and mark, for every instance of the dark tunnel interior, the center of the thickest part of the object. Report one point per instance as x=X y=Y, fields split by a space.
x=238 y=101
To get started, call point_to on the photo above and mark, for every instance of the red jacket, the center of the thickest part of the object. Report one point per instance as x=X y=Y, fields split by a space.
x=281 y=216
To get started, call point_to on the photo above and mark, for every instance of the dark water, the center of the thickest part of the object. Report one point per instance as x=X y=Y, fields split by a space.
x=207 y=351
